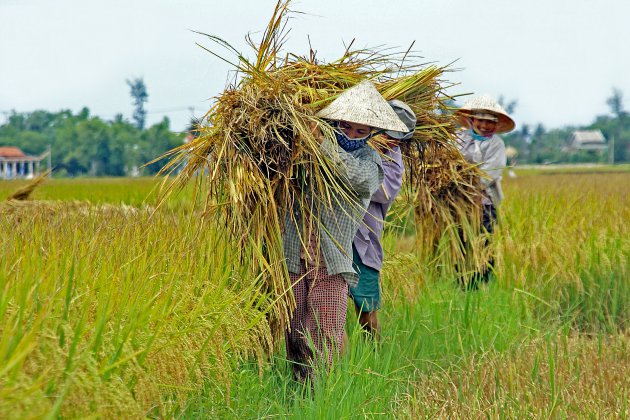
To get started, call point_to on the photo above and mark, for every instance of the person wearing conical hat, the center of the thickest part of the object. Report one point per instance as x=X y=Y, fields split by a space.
x=366 y=247
x=483 y=119
x=318 y=241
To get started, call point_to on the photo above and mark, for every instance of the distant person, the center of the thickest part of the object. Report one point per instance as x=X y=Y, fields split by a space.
x=483 y=119
x=366 y=247
x=318 y=240
x=511 y=154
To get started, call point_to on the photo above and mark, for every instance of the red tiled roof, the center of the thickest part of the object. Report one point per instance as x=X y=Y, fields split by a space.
x=11 y=152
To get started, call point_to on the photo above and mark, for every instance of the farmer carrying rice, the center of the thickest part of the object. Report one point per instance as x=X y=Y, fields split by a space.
x=483 y=118
x=366 y=247
x=320 y=268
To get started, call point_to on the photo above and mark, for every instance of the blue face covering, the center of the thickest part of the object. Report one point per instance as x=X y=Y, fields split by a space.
x=348 y=144
x=478 y=137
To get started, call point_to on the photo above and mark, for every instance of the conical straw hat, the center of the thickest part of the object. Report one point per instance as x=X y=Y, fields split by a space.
x=485 y=103
x=362 y=104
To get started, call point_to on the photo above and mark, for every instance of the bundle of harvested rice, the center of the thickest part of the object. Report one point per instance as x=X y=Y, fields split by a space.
x=25 y=192
x=259 y=153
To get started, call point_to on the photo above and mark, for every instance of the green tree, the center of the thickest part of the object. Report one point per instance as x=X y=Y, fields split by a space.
x=509 y=106
x=139 y=96
x=87 y=145
x=615 y=102
x=157 y=140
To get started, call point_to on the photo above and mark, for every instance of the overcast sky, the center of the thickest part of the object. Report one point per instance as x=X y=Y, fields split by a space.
x=560 y=59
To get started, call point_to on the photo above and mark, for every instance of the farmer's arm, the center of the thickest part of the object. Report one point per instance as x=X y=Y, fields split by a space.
x=494 y=162
x=464 y=143
x=393 y=175
x=364 y=175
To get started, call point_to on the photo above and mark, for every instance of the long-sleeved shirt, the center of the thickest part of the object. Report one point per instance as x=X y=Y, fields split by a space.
x=362 y=172
x=490 y=155
x=368 y=238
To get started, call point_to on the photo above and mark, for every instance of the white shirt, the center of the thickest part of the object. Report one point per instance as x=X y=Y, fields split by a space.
x=490 y=156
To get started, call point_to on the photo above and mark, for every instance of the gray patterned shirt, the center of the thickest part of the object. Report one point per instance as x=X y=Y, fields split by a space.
x=362 y=172
x=490 y=155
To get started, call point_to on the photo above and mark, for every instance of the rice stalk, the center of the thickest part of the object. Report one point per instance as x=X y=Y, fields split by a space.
x=259 y=149
x=25 y=192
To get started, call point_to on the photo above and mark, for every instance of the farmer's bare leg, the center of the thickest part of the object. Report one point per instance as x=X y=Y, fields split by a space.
x=369 y=322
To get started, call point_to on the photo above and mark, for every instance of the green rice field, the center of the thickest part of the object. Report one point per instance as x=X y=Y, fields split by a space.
x=110 y=308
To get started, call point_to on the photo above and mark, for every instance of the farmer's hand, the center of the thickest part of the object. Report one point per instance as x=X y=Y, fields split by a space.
x=316 y=132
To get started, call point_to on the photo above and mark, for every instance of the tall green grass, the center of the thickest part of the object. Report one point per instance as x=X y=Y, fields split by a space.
x=564 y=240
x=128 y=191
x=516 y=348
x=119 y=314
x=131 y=191
x=112 y=311
x=441 y=328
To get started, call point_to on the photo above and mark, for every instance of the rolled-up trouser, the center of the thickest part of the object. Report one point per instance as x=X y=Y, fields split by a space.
x=318 y=322
x=489 y=217
x=488 y=222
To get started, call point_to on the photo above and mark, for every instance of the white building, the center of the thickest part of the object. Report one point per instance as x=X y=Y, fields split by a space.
x=587 y=140
x=14 y=163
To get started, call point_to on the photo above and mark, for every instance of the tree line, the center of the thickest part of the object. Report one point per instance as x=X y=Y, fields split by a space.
x=82 y=144
x=87 y=145
x=537 y=145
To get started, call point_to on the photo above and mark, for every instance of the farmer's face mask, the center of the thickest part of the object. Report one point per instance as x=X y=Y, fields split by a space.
x=352 y=136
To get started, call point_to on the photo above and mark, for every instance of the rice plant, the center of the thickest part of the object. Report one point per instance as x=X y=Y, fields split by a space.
x=119 y=311
x=259 y=147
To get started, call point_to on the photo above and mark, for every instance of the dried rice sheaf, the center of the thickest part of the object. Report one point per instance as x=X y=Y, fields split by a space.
x=256 y=151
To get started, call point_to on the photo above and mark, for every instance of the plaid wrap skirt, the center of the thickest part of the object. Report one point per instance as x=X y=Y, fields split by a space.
x=318 y=322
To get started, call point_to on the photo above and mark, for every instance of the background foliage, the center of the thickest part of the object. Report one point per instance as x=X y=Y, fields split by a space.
x=83 y=144
x=538 y=145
